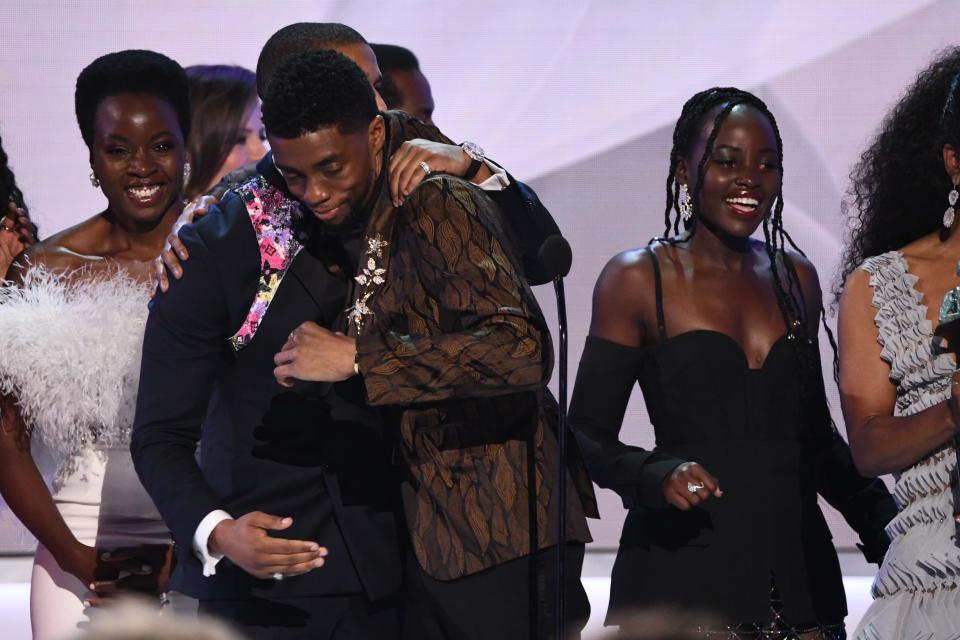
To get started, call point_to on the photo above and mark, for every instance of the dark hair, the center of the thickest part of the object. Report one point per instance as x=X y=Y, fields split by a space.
x=392 y=58
x=898 y=189
x=318 y=89
x=220 y=97
x=131 y=71
x=785 y=279
x=297 y=38
x=9 y=191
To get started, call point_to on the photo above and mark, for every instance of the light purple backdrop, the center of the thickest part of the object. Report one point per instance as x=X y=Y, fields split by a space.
x=578 y=98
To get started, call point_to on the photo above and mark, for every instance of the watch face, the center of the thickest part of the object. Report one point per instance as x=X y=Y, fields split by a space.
x=473 y=150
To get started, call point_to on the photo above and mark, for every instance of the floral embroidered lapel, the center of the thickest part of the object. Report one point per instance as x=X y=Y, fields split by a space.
x=273 y=216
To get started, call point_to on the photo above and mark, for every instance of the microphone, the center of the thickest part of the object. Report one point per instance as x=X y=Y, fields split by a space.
x=556 y=257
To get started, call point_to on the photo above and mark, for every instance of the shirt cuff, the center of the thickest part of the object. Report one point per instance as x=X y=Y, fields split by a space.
x=498 y=181
x=202 y=536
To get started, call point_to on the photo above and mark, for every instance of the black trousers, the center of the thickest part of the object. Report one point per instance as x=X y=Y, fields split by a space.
x=349 y=617
x=512 y=601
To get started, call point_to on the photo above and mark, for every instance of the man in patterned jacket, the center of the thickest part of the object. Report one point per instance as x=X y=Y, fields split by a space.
x=447 y=338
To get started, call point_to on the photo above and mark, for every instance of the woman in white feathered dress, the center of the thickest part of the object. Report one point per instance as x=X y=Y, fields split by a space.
x=70 y=338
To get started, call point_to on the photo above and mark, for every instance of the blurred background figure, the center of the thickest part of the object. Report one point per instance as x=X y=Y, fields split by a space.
x=404 y=88
x=17 y=232
x=227 y=132
x=135 y=620
x=664 y=623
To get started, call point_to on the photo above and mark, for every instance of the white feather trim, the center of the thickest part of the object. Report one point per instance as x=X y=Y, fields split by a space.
x=70 y=353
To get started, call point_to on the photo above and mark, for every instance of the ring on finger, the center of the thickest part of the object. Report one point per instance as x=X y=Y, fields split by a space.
x=277 y=576
x=693 y=487
x=423 y=165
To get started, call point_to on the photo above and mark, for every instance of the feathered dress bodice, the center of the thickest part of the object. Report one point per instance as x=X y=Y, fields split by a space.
x=70 y=355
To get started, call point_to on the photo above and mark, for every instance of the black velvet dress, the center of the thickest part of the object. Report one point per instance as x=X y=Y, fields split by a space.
x=761 y=556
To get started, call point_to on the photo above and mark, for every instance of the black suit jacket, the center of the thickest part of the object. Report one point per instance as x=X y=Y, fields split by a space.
x=314 y=452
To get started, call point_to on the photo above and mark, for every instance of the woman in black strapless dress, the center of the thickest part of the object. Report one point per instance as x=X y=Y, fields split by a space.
x=720 y=331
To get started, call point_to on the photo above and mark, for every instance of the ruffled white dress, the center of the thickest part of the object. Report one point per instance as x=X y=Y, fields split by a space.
x=915 y=592
x=70 y=354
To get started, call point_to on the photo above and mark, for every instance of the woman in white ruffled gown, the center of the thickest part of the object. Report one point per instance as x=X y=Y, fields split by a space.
x=901 y=399
x=70 y=337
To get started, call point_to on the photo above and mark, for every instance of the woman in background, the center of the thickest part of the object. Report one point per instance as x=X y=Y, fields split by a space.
x=901 y=400
x=227 y=132
x=17 y=232
x=720 y=331
x=70 y=338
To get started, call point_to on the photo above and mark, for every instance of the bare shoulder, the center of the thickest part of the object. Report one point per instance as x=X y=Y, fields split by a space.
x=857 y=296
x=807 y=274
x=628 y=272
x=67 y=250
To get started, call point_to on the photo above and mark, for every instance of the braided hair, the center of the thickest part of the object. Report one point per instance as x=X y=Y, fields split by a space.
x=9 y=191
x=785 y=279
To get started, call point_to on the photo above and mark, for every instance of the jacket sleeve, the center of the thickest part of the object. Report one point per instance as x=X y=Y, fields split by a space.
x=605 y=380
x=529 y=223
x=497 y=342
x=183 y=346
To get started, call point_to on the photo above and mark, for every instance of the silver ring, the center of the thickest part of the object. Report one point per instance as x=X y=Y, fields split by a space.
x=278 y=576
x=426 y=168
x=693 y=488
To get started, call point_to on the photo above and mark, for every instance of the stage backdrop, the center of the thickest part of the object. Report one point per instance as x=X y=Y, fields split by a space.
x=577 y=98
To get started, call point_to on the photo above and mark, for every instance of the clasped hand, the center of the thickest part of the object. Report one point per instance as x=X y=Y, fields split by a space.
x=315 y=354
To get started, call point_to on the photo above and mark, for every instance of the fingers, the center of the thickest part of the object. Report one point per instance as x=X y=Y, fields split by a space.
x=710 y=484
x=95 y=603
x=284 y=376
x=267 y=521
x=296 y=569
x=159 y=274
x=397 y=163
x=689 y=485
x=177 y=247
x=103 y=588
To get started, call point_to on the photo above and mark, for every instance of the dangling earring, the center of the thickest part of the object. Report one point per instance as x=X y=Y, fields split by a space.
x=950 y=213
x=186 y=173
x=685 y=203
x=94 y=180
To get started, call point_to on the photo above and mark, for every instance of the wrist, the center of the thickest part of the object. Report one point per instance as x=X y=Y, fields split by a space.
x=217 y=538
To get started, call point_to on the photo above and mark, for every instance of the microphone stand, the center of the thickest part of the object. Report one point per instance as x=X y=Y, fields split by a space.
x=562 y=461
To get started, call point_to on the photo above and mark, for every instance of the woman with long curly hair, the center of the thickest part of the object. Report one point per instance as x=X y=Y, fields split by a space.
x=900 y=396
x=720 y=331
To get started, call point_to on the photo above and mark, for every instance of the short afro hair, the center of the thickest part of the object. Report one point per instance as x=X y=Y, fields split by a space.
x=131 y=71
x=297 y=38
x=318 y=89
x=392 y=58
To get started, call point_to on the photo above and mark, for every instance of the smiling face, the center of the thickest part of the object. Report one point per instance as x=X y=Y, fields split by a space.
x=138 y=154
x=742 y=175
x=331 y=172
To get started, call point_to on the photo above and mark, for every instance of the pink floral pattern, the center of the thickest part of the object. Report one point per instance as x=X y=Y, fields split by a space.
x=273 y=216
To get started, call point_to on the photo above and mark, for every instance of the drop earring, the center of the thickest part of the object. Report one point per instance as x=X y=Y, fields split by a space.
x=950 y=214
x=685 y=203
x=94 y=180
x=186 y=173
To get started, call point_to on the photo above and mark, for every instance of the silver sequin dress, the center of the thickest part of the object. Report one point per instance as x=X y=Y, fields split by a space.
x=915 y=592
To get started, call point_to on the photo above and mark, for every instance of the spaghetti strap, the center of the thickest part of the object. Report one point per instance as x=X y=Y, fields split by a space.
x=658 y=288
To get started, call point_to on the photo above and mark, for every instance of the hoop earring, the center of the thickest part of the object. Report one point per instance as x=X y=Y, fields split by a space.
x=685 y=203
x=94 y=180
x=186 y=173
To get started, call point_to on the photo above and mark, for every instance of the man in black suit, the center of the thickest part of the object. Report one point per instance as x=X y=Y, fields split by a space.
x=289 y=480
